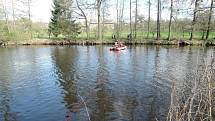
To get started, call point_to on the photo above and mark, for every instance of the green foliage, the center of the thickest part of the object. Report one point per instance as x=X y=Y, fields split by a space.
x=69 y=29
x=61 y=21
x=19 y=32
x=39 y=30
x=3 y=32
x=54 y=25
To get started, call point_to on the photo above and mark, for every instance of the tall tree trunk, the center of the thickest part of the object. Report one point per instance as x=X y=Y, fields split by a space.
x=203 y=34
x=29 y=18
x=87 y=28
x=170 y=20
x=209 y=20
x=29 y=10
x=103 y=21
x=149 y=18
x=130 y=34
x=99 y=20
x=135 y=24
x=194 y=19
x=158 y=20
x=121 y=18
x=12 y=2
x=117 y=19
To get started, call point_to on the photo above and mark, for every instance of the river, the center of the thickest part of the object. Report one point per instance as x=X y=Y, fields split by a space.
x=53 y=83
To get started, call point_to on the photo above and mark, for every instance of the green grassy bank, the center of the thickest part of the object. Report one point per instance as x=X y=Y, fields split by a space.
x=43 y=39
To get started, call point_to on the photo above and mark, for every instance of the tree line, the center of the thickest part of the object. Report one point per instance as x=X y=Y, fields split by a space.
x=199 y=17
x=73 y=18
x=15 y=22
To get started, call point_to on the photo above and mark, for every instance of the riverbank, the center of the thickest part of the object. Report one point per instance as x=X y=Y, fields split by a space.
x=108 y=42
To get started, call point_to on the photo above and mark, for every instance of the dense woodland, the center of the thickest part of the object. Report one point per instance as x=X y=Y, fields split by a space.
x=72 y=19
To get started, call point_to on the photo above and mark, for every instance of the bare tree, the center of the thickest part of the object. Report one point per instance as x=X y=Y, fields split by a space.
x=12 y=3
x=130 y=35
x=99 y=2
x=194 y=18
x=135 y=23
x=121 y=21
x=29 y=17
x=82 y=7
x=5 y=15
x=170 y=20
x=158 y=18
x=105 y=13
x=149 y=18
x=193 y=101
x=27 y=4
x=209 y=19
x=117 y=19
x=103 y=18
x=29 y=9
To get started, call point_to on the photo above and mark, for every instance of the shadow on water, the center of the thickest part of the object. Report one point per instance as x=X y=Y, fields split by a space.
x=64 y=59
x=6 y=114
x=103 y=104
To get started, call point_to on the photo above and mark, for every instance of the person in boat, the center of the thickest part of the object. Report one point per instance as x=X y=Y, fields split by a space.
x=114 y=37
x=120 y=44
x=129 y=37
x=116 y=43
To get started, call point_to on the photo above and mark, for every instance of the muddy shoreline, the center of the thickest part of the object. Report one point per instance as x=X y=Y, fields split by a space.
x=95 y=42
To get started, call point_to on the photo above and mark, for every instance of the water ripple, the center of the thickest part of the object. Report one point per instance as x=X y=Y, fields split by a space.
x=44 y=81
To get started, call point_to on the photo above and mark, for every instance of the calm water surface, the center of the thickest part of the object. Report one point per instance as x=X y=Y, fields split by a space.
x=46 y=83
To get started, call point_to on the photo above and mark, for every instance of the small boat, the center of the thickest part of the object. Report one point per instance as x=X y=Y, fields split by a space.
x=118 y=48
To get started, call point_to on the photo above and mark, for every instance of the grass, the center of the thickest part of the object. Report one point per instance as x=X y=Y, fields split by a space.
x=141 y=36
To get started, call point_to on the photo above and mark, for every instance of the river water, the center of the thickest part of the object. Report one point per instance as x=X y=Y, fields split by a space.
x=60 y=83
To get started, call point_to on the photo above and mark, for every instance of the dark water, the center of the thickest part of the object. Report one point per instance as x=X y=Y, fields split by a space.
x=46 y=83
